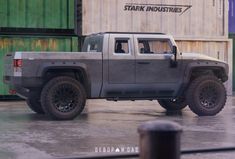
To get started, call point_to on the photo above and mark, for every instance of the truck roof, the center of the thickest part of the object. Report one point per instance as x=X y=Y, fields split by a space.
x=101 y=33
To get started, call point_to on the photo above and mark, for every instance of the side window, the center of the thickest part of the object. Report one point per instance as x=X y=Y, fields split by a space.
x=93 y=44
x=154 y=46
x=122 y=46
x=92 y=47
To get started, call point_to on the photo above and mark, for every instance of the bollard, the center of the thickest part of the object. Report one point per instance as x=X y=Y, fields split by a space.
x=159 y=140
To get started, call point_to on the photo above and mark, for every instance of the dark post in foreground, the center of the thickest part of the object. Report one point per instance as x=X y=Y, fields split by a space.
x=159 y=140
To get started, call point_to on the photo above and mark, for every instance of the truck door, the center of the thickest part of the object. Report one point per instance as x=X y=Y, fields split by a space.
x=121 y=65
x=155 y=76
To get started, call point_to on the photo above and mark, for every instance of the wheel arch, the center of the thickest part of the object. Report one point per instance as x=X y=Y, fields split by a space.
x=212 y=70
x=195 y=69
x=80 y=73
x=204 y=68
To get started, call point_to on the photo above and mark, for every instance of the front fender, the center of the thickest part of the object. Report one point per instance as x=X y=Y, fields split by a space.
x=206 y=65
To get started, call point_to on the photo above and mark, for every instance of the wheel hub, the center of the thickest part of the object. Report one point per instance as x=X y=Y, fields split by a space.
x=65 y=98
x=209 y=96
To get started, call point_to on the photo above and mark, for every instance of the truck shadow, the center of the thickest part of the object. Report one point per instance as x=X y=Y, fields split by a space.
x=173 y=113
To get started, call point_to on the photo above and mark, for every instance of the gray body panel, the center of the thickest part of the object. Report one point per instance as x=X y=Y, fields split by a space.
x=34 y=68
x=121 y=71
x=111 y=75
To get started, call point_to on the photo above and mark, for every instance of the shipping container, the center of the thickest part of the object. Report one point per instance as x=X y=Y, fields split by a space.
x=181 y=18
x=197 y=25
x=232 y=16
x=27 y=43
x=56 y=14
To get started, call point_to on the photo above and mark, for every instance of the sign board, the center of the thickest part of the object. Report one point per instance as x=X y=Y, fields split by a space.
x=181 y=18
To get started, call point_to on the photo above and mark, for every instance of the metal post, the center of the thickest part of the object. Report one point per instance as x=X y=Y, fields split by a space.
x=159 y=140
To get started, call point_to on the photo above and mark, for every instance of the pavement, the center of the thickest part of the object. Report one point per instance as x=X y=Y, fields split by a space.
x=105 y=126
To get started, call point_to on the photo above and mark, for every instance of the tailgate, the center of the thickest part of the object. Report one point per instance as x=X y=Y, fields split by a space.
x=9 y=69
x=8 y=64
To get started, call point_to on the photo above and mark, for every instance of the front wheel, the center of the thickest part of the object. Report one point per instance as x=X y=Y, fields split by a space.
x=173 y=104
x=63 y=98
x=206 y=96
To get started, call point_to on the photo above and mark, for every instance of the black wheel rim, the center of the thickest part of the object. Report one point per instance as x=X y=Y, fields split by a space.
x=65 y=98
x=208 y=96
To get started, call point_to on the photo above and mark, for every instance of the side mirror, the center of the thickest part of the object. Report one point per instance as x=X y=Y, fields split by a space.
x=174 y=62
x=175 y=52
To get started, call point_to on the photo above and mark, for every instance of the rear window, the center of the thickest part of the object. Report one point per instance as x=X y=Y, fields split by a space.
x=93 y=44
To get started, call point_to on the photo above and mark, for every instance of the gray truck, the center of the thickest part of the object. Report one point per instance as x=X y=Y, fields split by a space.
x=118 y=66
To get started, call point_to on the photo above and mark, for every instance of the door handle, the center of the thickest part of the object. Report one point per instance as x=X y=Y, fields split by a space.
x=144 y=63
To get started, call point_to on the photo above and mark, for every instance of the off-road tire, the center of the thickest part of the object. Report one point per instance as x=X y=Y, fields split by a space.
x=173 y=104
x=63 y=98
x=33 y=101
x=206 y=95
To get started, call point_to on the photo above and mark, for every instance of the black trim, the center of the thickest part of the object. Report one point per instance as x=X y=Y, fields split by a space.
x=78 y=17
x=36 y=31
x=147 y=33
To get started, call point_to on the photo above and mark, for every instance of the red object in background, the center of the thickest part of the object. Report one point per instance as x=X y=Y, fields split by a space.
x=12 y=91
x=18 y=63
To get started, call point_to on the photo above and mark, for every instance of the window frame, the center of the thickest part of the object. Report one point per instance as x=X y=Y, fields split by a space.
x=152 y=39
x=129 y=46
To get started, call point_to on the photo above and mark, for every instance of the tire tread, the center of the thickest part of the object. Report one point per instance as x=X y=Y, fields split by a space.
x=44 y=99
x=190 y=93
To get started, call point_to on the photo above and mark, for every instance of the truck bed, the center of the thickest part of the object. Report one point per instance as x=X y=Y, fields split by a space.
x=34 y=65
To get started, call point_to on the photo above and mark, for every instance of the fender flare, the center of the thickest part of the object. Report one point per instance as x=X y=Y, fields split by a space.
x=81 y=67
x=207 y=65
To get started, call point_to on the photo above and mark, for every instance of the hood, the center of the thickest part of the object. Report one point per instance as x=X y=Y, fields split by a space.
x=197 y=56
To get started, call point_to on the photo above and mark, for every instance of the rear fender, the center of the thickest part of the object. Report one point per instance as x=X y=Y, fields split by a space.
x=67 y=67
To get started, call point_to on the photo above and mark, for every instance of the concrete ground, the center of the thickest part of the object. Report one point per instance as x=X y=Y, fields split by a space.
x=106 y=126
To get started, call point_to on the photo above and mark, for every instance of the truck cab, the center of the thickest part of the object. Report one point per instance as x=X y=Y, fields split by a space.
x=138 y=65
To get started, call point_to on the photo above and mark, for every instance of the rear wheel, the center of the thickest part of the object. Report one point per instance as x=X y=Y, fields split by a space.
x=206 y=96
x=173 y=104
x=33 y=101
x=63 y=98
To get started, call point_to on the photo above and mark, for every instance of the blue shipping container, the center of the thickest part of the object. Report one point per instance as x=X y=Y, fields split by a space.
x=231 y=16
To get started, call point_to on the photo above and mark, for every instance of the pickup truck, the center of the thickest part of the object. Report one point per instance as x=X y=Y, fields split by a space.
x=118 y=66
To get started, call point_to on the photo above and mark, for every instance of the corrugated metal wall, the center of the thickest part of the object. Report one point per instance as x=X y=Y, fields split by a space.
x=57 y=14
x=35 y=14
x=216 y=49
x=27 y=43
x=191 y=18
